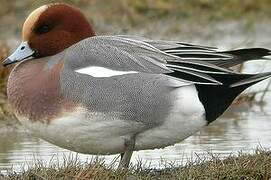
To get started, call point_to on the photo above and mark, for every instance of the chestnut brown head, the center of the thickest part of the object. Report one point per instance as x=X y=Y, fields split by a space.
x=49 y=30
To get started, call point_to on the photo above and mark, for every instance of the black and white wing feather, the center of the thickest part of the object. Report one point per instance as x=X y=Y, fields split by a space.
x=124 y=54
x=208 y=54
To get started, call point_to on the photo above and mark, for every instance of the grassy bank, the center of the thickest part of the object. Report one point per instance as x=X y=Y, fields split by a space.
x=116 y=10
x=124 y=15
x=243 y=166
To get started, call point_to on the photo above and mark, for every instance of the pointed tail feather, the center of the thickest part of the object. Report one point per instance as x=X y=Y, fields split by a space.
x=250 y=53
x=252 y=80
x=243 y=55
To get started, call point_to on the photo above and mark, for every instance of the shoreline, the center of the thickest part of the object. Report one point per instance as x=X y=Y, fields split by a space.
x=243 y=165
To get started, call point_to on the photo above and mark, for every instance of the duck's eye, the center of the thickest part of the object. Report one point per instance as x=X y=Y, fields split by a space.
x=43 y=29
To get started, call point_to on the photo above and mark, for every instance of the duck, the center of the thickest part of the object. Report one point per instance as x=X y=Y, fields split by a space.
x=115 y=94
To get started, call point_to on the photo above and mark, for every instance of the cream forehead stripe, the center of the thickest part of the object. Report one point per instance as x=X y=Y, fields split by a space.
x=97 y=71
x=31 y=20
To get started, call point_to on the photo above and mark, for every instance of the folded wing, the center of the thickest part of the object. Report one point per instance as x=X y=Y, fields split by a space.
x=208 y=54
x=124 y=54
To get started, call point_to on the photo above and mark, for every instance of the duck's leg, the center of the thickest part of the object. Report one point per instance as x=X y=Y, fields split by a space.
x=126 y=156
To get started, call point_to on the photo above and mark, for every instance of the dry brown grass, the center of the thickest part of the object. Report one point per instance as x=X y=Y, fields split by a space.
x=138 y=12
x=4 y=52
x=243 y=166
x=5 y=112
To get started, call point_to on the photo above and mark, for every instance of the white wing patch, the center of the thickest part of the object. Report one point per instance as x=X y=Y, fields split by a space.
x=97 y=71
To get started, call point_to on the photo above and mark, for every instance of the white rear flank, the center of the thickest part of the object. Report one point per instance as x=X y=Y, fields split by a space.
x=97 y=71
x=186 y=117
x=98 y=133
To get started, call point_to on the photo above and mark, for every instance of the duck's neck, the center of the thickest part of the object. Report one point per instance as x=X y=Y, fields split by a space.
x=34 y=91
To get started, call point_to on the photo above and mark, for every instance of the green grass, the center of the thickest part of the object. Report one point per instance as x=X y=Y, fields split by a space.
x=242 y=166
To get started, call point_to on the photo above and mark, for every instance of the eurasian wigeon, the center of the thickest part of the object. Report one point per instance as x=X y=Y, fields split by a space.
x=117 y=94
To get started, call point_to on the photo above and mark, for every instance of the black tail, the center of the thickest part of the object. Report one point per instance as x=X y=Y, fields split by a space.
x=251 y=80
x=242 y=55
x=216 y=99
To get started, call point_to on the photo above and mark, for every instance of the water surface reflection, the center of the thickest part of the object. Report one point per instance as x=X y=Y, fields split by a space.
x=242 y=128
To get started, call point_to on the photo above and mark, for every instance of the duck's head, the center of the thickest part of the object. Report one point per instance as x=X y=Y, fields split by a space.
x=49 y=30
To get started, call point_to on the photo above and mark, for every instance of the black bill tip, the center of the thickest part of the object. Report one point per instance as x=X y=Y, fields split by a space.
x=7 y=62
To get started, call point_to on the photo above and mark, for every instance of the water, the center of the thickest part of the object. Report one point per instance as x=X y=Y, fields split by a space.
x=243 y=128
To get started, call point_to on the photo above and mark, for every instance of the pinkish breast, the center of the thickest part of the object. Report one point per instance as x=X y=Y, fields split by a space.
x=34 y=91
